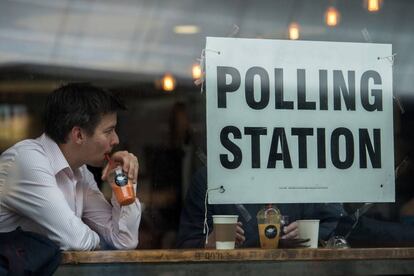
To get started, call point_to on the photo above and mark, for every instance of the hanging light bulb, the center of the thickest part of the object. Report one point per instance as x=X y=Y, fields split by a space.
x=196 y=70
x=332 y=16
x=168 y=83
x=373 y=5
x=294 y=31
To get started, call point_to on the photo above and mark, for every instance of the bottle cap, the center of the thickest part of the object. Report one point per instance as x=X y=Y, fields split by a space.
x=118 y=170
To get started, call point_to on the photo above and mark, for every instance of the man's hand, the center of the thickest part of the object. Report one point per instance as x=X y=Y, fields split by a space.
x=240 y=238
x=211 y=240
x=128 y=161
x=291 y=231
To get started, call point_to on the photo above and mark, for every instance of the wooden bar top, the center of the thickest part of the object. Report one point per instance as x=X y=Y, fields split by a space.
x=207 y=255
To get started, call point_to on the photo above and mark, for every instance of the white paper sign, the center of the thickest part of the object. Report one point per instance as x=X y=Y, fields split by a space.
x=299 y=121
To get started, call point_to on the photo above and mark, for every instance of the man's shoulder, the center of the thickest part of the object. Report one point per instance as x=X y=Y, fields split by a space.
x=23 y=149
x=26 y=155
x=24 y=163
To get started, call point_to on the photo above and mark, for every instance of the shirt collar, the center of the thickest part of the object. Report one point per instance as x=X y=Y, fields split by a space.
x=54 y=154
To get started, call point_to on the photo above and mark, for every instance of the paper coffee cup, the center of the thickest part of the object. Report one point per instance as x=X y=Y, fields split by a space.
x=309 y=229
x=225 y=230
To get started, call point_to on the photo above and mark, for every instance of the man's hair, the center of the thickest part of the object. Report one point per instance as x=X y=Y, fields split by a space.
x=77 y=104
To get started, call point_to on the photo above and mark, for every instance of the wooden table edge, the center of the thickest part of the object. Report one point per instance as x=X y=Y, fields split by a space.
x=207 y=255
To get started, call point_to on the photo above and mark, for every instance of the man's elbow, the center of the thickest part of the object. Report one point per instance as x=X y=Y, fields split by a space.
x=131 y=244
x=78 y=246
x=87 y=243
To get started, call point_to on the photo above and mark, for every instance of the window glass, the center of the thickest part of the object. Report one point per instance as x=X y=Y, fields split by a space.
x=148 y=51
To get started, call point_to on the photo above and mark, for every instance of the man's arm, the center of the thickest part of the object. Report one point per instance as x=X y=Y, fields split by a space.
x=32 y=192
x=117 y=225
x=328 y=214
x=190 y=233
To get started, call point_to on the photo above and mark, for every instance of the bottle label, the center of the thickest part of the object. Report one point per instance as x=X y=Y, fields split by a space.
x=270 y=232
x=121 y=179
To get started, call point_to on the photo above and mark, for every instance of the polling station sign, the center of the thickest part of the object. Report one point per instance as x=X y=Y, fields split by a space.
x=299 y=121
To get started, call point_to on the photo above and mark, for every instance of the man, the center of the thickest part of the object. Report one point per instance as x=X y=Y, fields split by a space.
x=191 y=234
x=45 y=186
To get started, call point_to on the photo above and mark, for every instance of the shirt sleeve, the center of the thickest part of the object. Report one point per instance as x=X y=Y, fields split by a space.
x=34 y=194
x=117 y=225
x=190 y=233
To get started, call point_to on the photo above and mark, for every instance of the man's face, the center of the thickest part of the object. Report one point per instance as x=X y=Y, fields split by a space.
x=102 y=141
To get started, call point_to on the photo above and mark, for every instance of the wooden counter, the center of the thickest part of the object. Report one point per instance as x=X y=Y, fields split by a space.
x=240 y=261
x=204 y=255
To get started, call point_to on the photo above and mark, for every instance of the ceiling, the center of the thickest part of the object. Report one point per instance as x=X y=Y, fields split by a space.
x=136 y=38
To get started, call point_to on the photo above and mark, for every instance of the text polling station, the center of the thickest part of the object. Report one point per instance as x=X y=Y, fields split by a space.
x=299 y=121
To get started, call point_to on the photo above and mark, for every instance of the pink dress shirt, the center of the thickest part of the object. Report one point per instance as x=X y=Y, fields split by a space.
x=41 y=193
